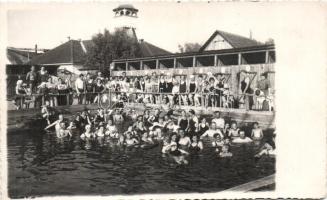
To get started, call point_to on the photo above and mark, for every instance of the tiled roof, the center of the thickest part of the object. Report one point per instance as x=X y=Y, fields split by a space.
x=62 y=53
x=19 y=57
x=148 y=49
x=69 y=52
x=236 y=41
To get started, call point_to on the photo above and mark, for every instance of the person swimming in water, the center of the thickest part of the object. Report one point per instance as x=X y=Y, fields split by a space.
x=100 y=131
x=212 y=131
x=234 y=131
x=177 y=154
x=242 y=138
x=146 y=138
x=256 y=133
x=196 y=144
x=225 y=152
x=218 y=142
x=56 y=124
x=111 y=130
x=63 y=132
x=183 y=141
x=88 y=134
x=130 y=141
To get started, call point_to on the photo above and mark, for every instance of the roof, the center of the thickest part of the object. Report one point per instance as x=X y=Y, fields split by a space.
x=125 y=6
x=236 y=41
x=148 y=49
x=62 y=54
x=19 y=57
x=70 y=52
x=258 y=48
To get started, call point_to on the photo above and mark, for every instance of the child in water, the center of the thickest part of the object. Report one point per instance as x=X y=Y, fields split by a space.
x=256 y=132
x=218 y=142
x=225 y=152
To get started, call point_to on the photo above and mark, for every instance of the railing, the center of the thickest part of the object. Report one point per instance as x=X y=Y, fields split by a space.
x=107 y=98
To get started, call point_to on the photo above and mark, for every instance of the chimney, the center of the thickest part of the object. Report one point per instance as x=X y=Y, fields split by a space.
x=250 y=34
x=141 y=40
x=35 y=48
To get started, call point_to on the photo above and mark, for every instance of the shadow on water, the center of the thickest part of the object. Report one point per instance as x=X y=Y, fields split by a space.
x=40 y=164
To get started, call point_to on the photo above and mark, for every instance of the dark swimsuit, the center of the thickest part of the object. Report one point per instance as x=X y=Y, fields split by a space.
x=194 y=148
x=183 y=124
x=175 y=153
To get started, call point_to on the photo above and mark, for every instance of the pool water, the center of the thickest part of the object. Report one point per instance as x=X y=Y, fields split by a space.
x=40 y=164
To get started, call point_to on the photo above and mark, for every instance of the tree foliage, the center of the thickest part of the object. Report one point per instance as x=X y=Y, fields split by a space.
x=189 y=47
x=108 y=46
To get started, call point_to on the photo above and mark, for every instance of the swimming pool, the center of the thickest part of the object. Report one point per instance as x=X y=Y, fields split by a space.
x=40 y=164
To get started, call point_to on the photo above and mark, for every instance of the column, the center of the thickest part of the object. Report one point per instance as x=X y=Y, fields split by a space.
x=239 y=61
x=215 y=60
x=267 y=57
x=194 y=62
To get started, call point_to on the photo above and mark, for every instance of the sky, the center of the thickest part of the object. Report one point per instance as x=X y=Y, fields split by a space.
x=165 y=24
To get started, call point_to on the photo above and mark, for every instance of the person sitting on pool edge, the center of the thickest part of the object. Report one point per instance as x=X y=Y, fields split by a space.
x=242 y=138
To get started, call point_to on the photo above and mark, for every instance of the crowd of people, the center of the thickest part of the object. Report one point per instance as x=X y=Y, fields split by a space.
x=207 y=90
x=179 y=134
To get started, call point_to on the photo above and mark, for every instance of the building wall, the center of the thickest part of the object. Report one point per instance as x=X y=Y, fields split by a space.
x=218 y=43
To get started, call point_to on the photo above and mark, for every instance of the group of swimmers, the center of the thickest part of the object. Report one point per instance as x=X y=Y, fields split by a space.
x=179 y=135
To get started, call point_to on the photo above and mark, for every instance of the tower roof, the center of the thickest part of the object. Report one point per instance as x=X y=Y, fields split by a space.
x=126 y=6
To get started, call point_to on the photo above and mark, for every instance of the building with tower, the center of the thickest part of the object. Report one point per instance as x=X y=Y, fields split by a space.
x=71 y=55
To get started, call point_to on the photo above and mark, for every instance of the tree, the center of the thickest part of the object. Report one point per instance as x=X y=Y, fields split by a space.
x=109 y=46
x=189 y=47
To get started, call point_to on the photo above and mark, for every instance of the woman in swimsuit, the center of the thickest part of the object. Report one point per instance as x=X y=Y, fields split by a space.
x=88 y=134
x=177 y=154
x=100 y=131
x=111 y=130
x=218 y=142
x=192 y=88
x=183 y=89
x=203 y=126
x=193 y=122
x=196 y=144
x=183 y=121
x=183 y=141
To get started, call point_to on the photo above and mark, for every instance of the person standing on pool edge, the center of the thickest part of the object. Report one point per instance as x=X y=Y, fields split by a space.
x=31 y=78
x=80 y=86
